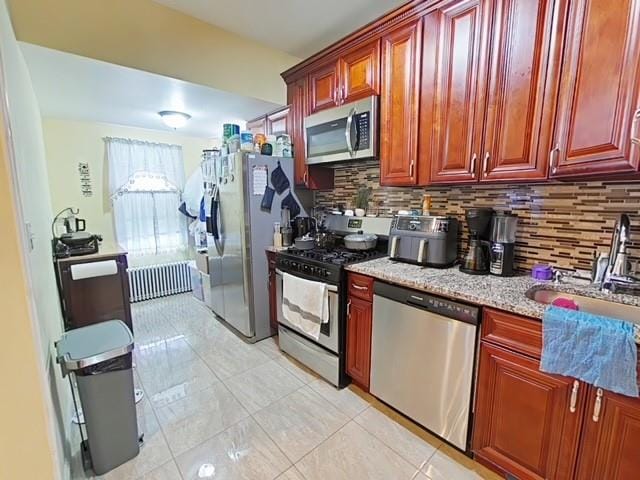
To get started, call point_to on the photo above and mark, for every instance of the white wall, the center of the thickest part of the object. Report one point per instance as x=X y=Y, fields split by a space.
x=28 y=173
x=69 y=142
x=145 y=35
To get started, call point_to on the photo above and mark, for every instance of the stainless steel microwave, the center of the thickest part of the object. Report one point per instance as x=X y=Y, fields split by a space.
x=346 y=132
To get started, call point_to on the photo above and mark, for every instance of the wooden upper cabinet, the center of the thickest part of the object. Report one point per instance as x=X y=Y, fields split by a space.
x=610 y=439
x=278 y=122
x=323 y=87
x=297 y=98
x=313 y=177
x=399 y=101
x=599 y=90
x=453 y=85
x=527 y=422
x=522 y=90
x=258 y=125
x=360 y=73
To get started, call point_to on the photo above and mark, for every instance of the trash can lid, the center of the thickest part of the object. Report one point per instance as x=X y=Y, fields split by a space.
x=93 y=344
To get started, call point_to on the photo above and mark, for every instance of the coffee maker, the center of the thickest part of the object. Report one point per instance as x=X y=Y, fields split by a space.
x=476 y=259
x=503 y=239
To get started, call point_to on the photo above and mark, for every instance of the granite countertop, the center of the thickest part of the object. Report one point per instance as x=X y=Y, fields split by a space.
x=504 y=293
x=273 y=249
x=104 y=250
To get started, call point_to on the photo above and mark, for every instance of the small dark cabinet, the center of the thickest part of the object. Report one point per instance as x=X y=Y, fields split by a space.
x=93 y=300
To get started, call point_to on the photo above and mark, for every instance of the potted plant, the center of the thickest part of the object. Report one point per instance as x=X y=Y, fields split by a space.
x=362 y=200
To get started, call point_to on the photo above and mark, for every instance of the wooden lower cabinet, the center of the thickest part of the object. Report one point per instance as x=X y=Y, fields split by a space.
x=610 y=437
x=524 y=423
x=535 y=426
x=273 y=300
x=359 y=322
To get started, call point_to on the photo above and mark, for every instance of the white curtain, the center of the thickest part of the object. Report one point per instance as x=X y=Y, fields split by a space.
x=128 y=157
x=146 y=182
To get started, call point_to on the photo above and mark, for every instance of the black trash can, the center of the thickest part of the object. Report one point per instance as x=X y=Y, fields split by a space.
x=100 y=357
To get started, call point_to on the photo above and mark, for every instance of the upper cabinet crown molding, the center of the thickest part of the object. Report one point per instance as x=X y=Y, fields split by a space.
x=410 y=10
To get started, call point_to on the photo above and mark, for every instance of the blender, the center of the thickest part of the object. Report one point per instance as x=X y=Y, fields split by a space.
x=476 y=259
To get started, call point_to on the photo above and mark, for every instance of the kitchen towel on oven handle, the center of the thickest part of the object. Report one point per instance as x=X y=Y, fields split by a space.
x=305 y=304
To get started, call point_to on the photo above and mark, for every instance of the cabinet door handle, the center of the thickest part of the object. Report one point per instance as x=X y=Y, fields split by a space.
x=358 y=287
x=342 y=97
x=574 y=396
x=348 y=308
x=553 y=159
x=597 y=407
x=474 y=158
x=635 y=138
x=304 y=178
x=411 y=168
x=485 y=165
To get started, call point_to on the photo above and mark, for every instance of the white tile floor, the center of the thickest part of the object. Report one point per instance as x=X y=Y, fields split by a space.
x=250 y=412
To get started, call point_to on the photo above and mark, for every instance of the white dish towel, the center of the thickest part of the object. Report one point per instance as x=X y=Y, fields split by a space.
x=305 y=304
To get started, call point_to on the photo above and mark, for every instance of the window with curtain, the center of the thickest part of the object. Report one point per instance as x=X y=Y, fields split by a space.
x=145 y=183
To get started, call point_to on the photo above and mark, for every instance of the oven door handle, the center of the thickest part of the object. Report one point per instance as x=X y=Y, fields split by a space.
x=331 y=288
x=347 y=131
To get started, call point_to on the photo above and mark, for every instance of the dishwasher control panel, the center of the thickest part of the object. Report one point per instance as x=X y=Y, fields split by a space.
x=434 y=304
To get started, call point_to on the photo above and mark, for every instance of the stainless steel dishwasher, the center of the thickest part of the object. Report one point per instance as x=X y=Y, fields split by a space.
x=422 y=358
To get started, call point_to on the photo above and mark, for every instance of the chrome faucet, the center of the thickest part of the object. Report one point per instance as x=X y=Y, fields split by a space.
x=617 y=275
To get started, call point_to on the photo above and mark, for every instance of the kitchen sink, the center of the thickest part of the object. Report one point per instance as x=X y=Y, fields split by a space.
x=597 y=306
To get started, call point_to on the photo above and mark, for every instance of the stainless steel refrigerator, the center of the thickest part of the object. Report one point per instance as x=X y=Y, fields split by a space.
x=241 y=230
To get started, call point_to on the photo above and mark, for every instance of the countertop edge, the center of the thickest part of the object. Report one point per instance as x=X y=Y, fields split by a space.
x=503 y=293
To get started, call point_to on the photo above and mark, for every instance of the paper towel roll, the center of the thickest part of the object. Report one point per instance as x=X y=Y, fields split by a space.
x=93 y=269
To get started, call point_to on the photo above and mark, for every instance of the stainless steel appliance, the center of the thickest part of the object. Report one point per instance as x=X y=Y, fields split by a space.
x=477 y=257
x=326 y=355
x=347 y=132
x=422 y=359
x=424 y=240
x=503 y=240
x=236 y=245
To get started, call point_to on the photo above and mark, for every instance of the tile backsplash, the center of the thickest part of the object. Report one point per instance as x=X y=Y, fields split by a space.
x=560 y=223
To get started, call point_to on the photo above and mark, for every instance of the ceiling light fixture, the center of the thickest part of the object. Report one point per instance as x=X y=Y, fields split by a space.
x=174 y=119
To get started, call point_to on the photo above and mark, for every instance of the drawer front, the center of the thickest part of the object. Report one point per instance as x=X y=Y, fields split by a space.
x=360 y=286
x=521 y=334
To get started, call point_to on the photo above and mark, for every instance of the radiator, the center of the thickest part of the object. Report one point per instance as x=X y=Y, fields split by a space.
x=153 y=281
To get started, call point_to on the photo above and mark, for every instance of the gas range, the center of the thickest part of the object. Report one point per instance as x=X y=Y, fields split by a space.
x=322 y=264
x=325 y=354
